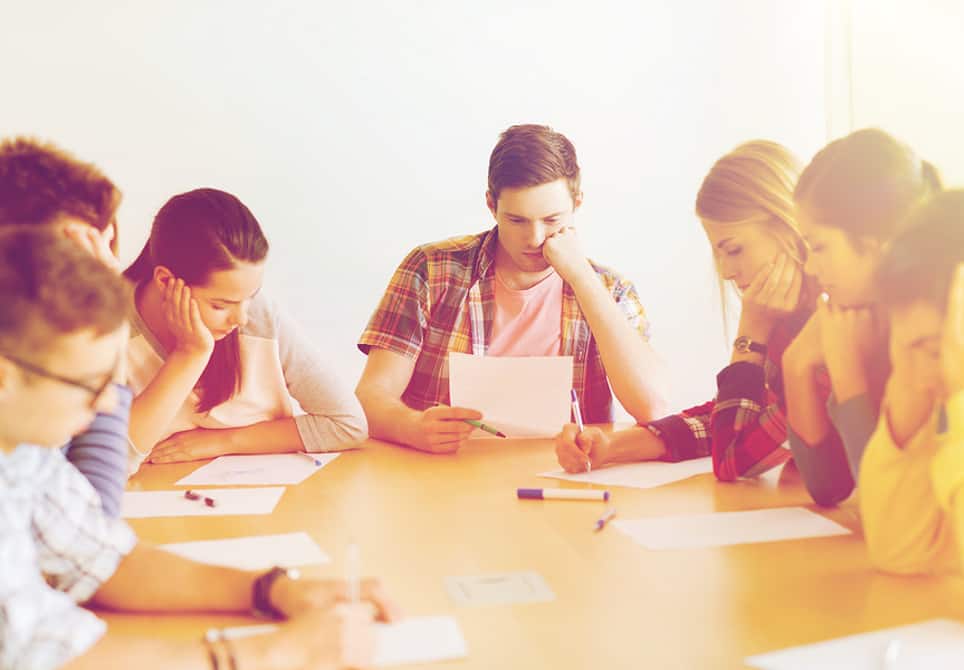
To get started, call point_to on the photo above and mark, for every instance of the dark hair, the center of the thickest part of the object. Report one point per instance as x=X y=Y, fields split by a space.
x=39 y=183
x=50 y=287
x=921 y=261
x=532 y=155
x=865 y=184
x=194 y=234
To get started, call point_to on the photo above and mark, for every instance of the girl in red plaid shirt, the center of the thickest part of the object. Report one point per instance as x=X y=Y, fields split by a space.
x=745 y=205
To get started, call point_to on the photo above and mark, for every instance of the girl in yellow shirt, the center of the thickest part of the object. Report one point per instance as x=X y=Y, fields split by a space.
x=913 y=468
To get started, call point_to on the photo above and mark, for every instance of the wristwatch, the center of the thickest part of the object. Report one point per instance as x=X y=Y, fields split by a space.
x=745 y=345
x=261 y=590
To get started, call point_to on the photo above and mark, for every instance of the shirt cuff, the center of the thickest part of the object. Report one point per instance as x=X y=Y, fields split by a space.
x=683 y=438
x=741 y=380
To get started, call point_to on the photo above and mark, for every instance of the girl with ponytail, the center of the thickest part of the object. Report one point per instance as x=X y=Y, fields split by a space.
x=852 y=199
x=213 y=363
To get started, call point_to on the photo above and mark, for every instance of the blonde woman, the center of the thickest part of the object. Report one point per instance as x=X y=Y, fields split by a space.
x=746 y=207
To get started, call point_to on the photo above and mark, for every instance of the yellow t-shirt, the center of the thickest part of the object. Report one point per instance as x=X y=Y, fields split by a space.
x=907 y=528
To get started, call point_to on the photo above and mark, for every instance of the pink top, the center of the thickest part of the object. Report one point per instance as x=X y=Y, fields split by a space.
x=527 y=322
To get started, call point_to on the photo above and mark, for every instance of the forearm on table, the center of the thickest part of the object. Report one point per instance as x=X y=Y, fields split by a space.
x=275 y=436
x=389 y=418
x=633 y=445
x=151 y=654
x=153 y=580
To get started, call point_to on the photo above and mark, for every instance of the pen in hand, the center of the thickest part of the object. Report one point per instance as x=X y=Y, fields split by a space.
x=487 y=428
x=577 y=414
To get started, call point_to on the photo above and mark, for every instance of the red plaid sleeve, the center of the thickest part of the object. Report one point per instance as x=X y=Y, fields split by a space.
x=748 y=432
x=401 y=317
x=685 y=435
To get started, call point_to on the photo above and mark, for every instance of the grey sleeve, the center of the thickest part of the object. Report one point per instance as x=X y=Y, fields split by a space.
x=333 y=417
x=100 y=452
x=824 y=468
x=856 y=420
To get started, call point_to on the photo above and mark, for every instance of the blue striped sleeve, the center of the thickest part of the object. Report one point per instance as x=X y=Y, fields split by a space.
x=100 y=452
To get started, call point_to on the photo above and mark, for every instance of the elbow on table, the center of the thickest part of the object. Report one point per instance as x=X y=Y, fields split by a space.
x=887 y=557
x=827 y=493
x=724 y=470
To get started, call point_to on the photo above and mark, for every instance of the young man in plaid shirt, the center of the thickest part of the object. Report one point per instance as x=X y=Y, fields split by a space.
x=523 y=288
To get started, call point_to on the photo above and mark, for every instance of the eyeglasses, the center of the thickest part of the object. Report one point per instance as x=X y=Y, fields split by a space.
x=96 y=392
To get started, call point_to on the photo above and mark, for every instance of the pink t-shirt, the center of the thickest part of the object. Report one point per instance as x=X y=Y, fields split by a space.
x=527 y=322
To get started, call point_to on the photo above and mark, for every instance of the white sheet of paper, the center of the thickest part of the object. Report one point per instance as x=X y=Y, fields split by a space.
x=258 y=552
x=418 y=640
x=508 y=588
x=257 y=470
x=140 y=504
x=938 y=643
x=639 y=475
x=727 y=528
x=522 y=396
x=412 y=640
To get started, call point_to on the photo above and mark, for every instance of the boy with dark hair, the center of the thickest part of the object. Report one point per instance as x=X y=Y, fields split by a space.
x=523 y=288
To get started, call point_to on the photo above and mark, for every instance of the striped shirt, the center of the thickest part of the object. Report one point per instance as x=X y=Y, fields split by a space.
x=57 y=548
x=101 y=455
x=442 y=299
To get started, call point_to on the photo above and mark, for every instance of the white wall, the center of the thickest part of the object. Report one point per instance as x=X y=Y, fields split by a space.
x=908 y=76
x=356 y=130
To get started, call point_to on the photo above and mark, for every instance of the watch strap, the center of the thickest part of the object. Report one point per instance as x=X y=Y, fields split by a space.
x=260 y=594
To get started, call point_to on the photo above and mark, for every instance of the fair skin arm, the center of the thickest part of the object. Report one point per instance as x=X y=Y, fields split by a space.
x=806 y=412
x=906 y=409
x=341 y=638
x=847 y=339
x=267 y=437
x=636 y=373
x=188 y=586
x=576 y=451
x=157 y=405
x=435 y=430
x=315 y=630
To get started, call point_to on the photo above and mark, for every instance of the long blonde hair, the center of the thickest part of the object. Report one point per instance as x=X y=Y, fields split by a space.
x=753 y=183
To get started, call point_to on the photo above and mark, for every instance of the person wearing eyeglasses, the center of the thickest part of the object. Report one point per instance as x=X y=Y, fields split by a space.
x=42 y=185
x=62 y=330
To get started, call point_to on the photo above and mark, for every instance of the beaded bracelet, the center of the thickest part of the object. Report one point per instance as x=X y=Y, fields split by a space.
x=217 y=635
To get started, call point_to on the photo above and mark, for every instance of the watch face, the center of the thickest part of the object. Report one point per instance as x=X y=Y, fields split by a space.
x=742 y=344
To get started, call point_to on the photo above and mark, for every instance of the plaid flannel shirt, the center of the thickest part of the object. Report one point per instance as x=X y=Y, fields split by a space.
x=58 y=547
x=745 y=428
x=442 y=298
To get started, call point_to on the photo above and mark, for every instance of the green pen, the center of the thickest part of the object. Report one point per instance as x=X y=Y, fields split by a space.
x=482 y=426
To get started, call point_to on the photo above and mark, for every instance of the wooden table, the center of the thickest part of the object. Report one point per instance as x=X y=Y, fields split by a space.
x=419 y=518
